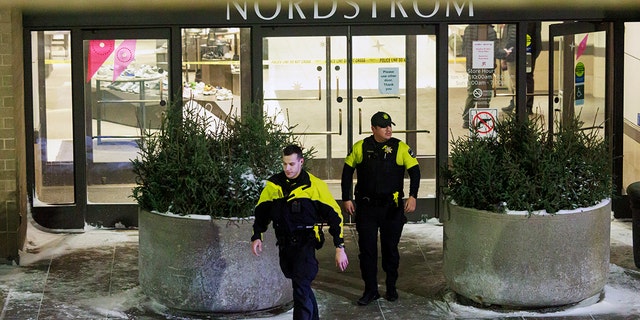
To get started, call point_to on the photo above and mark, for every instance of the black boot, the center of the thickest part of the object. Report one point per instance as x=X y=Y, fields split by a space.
x=368 y=296
x=392 y=294
x=510 y=107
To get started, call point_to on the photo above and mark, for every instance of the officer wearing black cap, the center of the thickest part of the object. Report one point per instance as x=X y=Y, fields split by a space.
x=380 y=161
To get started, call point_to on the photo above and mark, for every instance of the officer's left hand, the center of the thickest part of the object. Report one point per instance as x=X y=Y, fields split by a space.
x=256 y=247
x=341 y=259
x=410 y=205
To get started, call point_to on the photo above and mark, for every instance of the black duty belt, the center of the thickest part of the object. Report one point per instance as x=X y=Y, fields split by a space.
x=298 y=237
x=377 y=200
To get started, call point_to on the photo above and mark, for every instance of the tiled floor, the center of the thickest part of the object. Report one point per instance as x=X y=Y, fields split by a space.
x=94 y=275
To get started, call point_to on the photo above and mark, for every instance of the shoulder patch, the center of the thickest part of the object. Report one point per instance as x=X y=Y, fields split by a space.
x=411 y=153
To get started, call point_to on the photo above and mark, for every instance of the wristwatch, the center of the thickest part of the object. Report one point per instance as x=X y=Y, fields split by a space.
x=341 y=246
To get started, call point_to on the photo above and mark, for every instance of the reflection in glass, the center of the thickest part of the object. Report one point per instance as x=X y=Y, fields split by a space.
x=305 y=83
x=211 y=70
x=502 y=74
x=295 y=88
x=631 y=139
x=53 y=148
x=579 y=70
x=126 y=94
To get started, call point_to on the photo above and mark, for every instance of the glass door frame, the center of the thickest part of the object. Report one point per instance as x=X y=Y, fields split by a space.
x=261 y=33
x=425 y=204
x=568 y=29
x=74 y=216
x=613 y=100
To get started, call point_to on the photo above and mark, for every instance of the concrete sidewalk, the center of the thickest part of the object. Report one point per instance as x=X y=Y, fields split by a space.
x=94 y=275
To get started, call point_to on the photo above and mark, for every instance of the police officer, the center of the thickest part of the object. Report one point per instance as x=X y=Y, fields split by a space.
x=380 y=161
x=296 y=201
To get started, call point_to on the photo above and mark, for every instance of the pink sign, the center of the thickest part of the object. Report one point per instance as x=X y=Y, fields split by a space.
x=99 y=51
x=582 y=47
x=125 y=53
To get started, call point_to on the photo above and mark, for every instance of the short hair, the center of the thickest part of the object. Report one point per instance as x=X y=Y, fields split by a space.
x=291 y=149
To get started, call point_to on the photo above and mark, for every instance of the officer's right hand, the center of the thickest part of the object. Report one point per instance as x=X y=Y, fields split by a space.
x=349 y=207
x=341 y=259
x=256 y=247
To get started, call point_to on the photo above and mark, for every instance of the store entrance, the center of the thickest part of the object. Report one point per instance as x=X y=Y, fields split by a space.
x=85 y=139
x=326 y=83
x=582 y=69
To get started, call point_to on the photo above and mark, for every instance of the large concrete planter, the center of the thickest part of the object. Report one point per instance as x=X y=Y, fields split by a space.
x=527 y=261
x=198 y=265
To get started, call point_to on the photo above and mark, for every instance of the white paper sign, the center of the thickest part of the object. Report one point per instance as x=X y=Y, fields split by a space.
x=388 y=81
x=483 y=121
x=483 y=56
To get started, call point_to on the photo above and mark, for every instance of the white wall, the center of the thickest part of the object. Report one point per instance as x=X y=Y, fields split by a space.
x=632 y=72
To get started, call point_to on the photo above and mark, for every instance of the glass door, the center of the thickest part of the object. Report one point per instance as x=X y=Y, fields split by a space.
x=125 y=92
x=580 y=71
x=327 y=83
x=302 y=75
x=577 y=65
x=94 y=95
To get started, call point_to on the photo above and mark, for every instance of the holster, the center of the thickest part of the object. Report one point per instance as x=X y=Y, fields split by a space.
x=320 y=239
x=297 y=238
x=376 y=200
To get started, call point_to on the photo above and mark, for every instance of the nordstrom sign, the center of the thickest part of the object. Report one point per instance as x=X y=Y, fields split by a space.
x=345 y=9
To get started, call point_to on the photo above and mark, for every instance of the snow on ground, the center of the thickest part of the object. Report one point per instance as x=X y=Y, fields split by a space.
x=620 y=293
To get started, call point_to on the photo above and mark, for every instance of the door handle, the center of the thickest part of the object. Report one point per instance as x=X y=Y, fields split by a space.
x=359 y=120
x=361 y=98
x=339 y=132
x=412 y=131
x=339 y=99
x=533 y=94
x=163 y=102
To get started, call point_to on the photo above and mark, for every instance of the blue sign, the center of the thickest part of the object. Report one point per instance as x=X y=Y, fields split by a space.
x=579 y=88
x=579 y=94
x=388 y=82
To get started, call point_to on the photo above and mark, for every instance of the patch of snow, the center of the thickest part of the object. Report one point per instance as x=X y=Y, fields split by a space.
x=545 y=213
x=41 y=245
x=189 y=216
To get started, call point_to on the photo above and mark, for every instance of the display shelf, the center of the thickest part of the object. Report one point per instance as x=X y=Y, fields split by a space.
x=132 y=90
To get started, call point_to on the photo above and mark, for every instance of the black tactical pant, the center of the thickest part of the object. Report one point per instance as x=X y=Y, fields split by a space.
x=389 y=219
x=298 y=263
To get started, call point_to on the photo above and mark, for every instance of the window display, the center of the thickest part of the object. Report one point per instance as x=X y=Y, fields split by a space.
x=211 y=68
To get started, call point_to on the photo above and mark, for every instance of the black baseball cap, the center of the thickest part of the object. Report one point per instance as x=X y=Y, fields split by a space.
x=381 y=119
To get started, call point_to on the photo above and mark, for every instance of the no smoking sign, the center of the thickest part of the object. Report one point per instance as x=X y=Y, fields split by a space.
x=477 y=93
x=483 y=121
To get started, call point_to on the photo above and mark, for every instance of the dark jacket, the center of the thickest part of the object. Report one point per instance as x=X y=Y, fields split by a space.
x=295 y=207
x=508 y=40
x=381 y=169
x=534 y=30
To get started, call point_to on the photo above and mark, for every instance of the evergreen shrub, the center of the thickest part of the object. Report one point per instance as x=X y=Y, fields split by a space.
x=198 y=164
x=524 y=168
